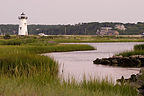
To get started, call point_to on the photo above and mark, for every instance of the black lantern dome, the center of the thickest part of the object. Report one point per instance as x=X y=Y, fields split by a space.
x=23 y=16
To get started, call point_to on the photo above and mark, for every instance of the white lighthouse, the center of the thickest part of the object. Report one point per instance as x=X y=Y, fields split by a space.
x=23 y=25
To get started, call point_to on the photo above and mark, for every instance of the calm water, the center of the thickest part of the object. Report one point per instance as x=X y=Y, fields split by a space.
x=79 y=63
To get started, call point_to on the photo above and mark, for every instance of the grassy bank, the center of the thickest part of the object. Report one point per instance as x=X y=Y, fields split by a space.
x=19 y=63
x=25 y=73
x=57 y=48
x=93 y=39
x=19 y=60
x=46 y=49
x=43 y=86
x=138 y=50
x=80 y=38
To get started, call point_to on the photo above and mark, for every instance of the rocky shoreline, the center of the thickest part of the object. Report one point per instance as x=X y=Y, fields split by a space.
x=131 y=61
x=136 y=81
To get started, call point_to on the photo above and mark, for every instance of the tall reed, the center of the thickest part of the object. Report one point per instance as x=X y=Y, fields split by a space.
x=16 y=62
x=138 y=50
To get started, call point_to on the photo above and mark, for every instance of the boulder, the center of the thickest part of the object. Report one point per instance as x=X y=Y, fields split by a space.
x=97 y=61
x=136 y=81
x=132 y=61
x=133 y=78
x=114 y=62
x=117 y=56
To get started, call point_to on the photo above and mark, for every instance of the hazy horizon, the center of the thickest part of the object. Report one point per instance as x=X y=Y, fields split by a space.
x=53 y=12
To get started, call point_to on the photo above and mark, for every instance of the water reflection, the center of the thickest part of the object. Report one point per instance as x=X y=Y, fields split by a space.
x=80 y=63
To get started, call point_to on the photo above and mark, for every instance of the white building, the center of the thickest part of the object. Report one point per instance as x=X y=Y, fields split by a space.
x=42 y=34
x=23 y=25
x=120 y=27
x=107 y=31
x=106 y=28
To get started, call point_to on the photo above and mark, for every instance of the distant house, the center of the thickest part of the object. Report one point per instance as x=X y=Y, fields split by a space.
x=42 y=34
x=142 y=34
x=107 y=31
x=120 y=27
x=106 y=28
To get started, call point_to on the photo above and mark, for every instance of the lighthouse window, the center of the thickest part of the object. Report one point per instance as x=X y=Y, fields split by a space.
x=20 y=28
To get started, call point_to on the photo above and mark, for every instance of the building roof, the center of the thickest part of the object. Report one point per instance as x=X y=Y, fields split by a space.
x=22 y=13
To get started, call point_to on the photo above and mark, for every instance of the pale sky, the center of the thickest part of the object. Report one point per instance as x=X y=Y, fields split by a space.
x=72 y=11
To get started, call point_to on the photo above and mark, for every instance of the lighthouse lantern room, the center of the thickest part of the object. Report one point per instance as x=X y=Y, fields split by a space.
x=23 y=25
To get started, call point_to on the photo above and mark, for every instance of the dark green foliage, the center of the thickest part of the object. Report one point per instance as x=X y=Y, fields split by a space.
x=16 y=41
x=7 y=36
x=10 y=42
x=77 y=29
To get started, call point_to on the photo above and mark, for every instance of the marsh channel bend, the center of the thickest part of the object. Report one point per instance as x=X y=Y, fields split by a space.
x=78 y=64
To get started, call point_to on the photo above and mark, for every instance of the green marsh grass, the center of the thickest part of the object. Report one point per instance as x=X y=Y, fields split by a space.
x=57 y=48
x=24 y=59
x=139 y=47
x=43 y=86
x=94 y=38
x=138 y=50
x=25 y=73
x=17 y=41
x=130 y=53
x=19 y=63
x=80 y=38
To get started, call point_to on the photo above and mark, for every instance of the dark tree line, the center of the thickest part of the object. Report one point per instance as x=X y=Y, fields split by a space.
x=77 y=29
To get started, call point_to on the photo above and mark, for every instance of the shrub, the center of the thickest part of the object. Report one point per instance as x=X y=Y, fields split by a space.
x=10 y=42
x=7 y=36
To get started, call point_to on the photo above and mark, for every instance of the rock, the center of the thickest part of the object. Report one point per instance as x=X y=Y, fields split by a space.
x=117 y=56
x=137 y=56
x=141 y=90
x=132 y=61
x=120 y=56
x=121 y=81
x=136 y=62
x=140 y=56
x=133 y=78
x=136 y=81
x=142 y=61
x=97 y=61
x=114 y=61
x=126 y=62
x=103 y=61
x=142 y=70
x=106 y=62
x=139 y=64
